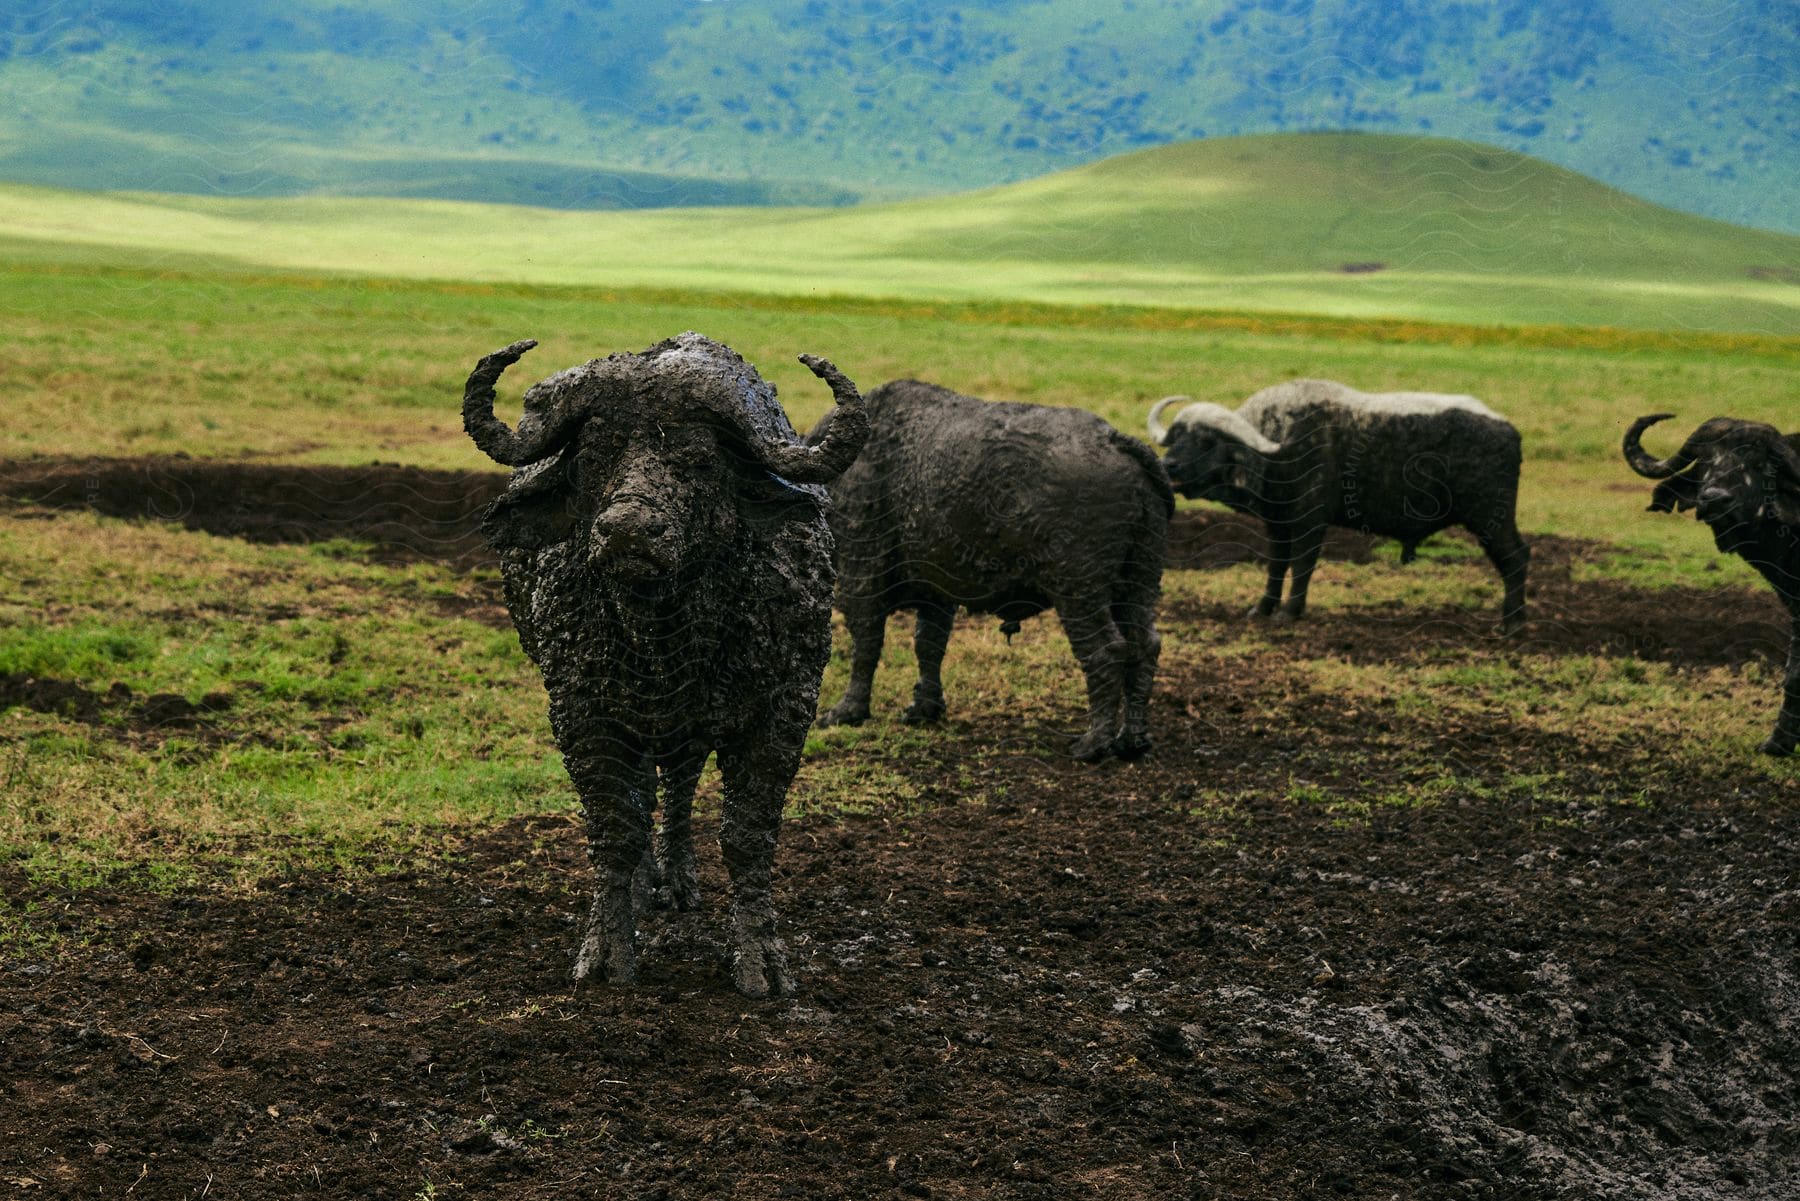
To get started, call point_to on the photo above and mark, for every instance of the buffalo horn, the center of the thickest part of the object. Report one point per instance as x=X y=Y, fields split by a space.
x=1640 y=460
x=840 y=438
x=1159 y=432
x=540 y=433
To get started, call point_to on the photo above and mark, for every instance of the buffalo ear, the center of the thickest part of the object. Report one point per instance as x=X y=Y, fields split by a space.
x=1784 y=506
x=752 y=482
x=767 y=488
x=1677 y=494
x=1241 y=465
x=536 y=510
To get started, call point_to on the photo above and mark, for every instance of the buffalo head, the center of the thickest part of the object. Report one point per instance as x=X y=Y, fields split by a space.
x=1735 y=475
x=1211 y=450
x=648 y=458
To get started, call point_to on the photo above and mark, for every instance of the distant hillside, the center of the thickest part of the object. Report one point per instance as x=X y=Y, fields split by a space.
x=1358 y=225
x=619 y=103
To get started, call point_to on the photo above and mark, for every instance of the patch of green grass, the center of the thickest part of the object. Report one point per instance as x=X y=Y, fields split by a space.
x=1348 y=805
x=333 y=726
x=344 y=745
x=26 y=931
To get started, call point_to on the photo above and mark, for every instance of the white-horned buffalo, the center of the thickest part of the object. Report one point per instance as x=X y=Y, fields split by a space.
x=1310 y=454
x=1008 y=509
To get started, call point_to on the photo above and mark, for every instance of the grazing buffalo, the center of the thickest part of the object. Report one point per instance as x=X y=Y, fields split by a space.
x=1742 y=478
x=665 y=556
x=1008 y=509
x=1310 y=454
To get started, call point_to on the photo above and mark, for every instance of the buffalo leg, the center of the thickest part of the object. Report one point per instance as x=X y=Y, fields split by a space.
x=1278 y=568
x=679 y=881
x=1137 y=621
x=1787 y=726
x=1101 y=650
x=617 y=789
x=930 y=638
x=1510 y=557
x=1305 y=556
x=756 y=775
x=868 y=629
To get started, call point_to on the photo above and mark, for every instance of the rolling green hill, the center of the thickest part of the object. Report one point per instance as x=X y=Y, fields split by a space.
x=620 y=103
x=1342 y=224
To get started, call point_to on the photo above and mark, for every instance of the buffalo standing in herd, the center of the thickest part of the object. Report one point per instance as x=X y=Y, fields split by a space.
x=1312 y=453
x=670 y=554
x=1007 y=509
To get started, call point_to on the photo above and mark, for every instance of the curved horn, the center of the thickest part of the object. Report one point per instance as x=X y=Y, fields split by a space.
x=539 y=434
x=1159 y=433
x=840 y=434
x=1640 y=460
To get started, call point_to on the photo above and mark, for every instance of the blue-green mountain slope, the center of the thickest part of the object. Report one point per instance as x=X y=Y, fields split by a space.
x=650 y=102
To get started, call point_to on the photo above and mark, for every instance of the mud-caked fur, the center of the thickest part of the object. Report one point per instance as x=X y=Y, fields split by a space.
x=674 y=588
x=1310 y=454
x=1008 y=509
x=1742 y=478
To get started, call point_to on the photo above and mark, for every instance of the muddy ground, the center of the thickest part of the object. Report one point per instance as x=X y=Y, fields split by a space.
x=1097 y=985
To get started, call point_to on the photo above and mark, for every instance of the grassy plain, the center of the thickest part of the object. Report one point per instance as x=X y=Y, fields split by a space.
x=338 y=737
x=114 y=361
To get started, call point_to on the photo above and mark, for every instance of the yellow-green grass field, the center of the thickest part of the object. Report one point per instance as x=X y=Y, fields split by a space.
x=1350 y=225
x=130 y=361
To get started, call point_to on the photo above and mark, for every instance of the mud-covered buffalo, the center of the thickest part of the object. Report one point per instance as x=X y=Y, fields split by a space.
x=668 y=566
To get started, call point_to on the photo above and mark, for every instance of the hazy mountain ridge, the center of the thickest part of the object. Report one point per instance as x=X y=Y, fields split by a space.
x=809 y=100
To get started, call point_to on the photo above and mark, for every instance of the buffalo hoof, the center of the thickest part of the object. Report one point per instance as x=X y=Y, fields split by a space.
x=605 y=961
x=1260 y=611
x=1778 y=746
x=608 y=944
x=923 y=713
x=1283 y=617
x=679 y=889
x=759 y=969
x=1510 y=628
x=843 y=714
x=1131 y=746
x=1092 y=746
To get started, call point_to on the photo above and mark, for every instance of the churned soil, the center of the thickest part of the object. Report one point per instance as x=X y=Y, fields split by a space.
x=1092 y=988
x=1165 y=979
